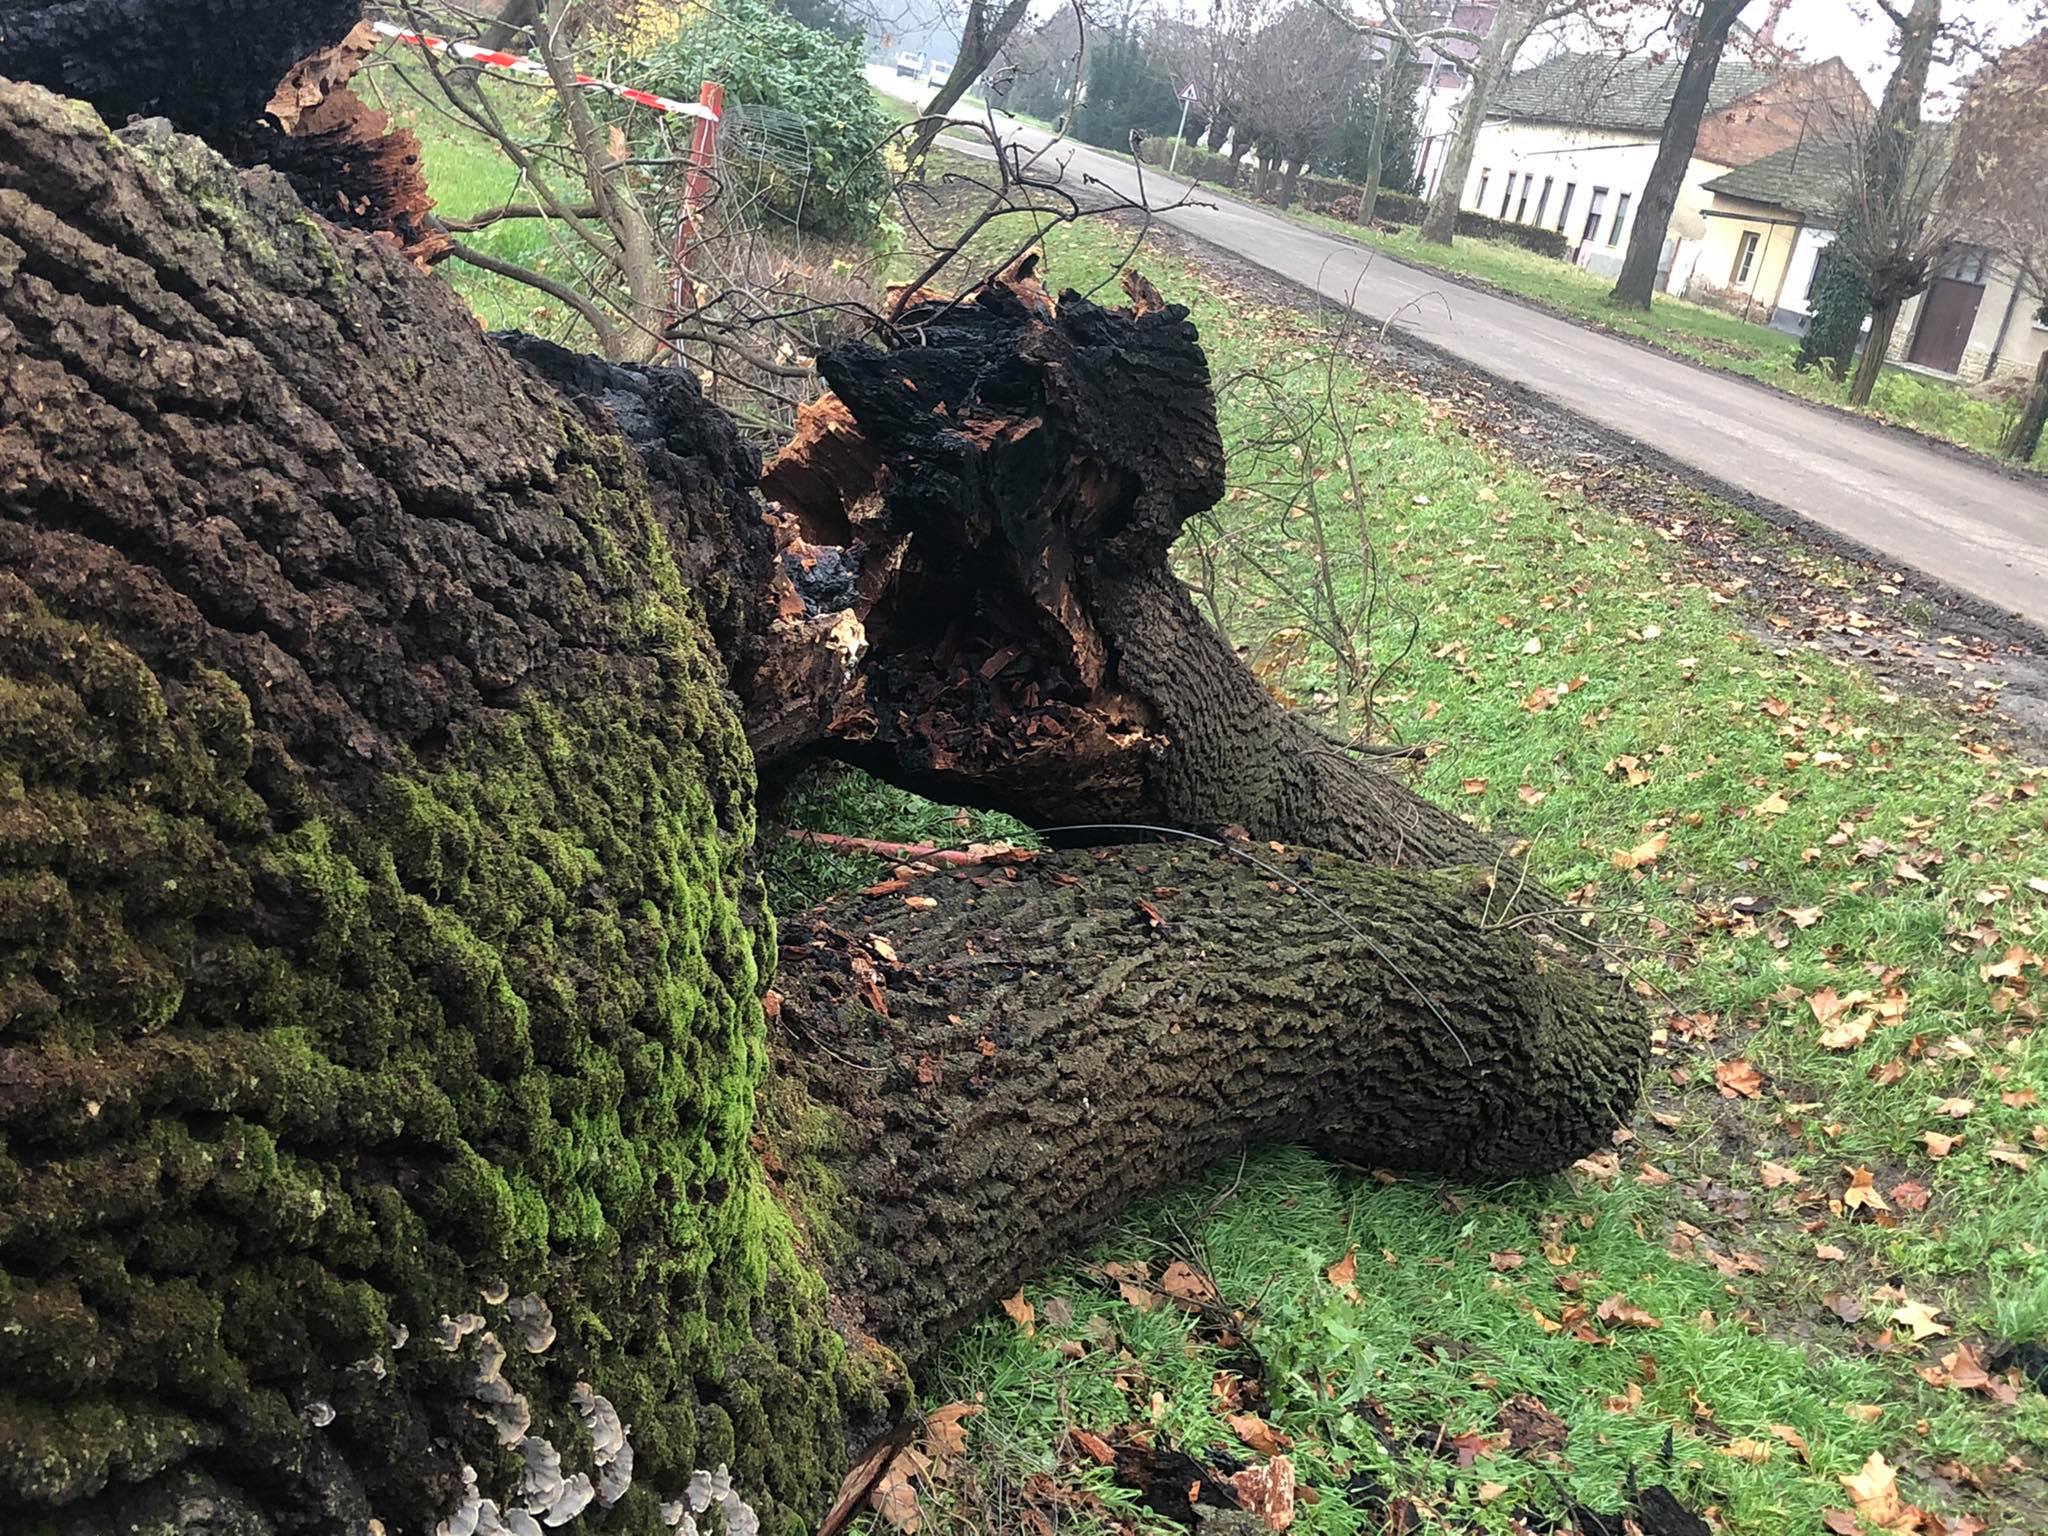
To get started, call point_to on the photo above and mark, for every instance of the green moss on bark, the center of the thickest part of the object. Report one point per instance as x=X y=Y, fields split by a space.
x=377 y=917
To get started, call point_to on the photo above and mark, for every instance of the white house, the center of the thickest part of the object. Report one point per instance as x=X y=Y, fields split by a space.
x=1568 y=145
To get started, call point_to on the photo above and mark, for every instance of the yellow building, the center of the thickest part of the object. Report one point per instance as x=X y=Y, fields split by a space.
x=1765 y=226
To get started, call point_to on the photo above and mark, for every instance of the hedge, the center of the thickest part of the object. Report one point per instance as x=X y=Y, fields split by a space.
x=1325 y=194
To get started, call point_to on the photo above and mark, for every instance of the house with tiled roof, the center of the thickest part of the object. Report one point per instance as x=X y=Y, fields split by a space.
x=1568 y=143
x=1766 y=224
x=1983 y=314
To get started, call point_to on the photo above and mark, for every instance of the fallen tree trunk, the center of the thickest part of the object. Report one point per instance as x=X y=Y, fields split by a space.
x=381 y=959
x=980 y=1071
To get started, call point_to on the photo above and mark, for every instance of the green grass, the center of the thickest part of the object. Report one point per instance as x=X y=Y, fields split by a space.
x=468 y=174
x=1721 y=717
x=1696 y=331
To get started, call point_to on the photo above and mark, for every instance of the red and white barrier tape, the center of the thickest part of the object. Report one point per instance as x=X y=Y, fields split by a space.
x=513 y=63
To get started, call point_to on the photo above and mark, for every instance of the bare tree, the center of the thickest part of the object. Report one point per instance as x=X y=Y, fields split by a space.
x=1302 y=68
x=983 y=33
x=1514 y=23
x=1895 y=228
x=584 y=184
x=1212 y=54
x=1890 y=144
x=1707 y=30
x=2000 y=168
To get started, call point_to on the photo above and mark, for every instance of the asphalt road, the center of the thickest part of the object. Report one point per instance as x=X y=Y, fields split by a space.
x=1916 y=505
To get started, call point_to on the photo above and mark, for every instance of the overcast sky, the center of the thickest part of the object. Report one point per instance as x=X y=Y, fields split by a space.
x=1861 y=34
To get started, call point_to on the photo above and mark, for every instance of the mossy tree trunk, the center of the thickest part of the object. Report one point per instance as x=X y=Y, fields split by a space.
x=380 y=956
x=377 y=925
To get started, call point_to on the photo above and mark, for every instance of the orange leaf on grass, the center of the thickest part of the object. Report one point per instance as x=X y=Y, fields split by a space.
x=1738 y=1077
x=1022 y=1313
x=1258 y=1434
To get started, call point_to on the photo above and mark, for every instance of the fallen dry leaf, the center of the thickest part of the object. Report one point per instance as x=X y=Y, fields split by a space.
x=1643 y=854
x=1863 y=1413
x=1022 y=1313
x=894 y=1496
x=1848 y=1033
x=1344 y=1274
x=1966 y=1373
x=1777 y=1175
x=1618 y=1310
x=1793 y=1438
x=1738 y=1077
x=1258 y=1434
x=1187 y=1284
x=1862 y=1193
x=1875 y=1492
x=1097 y=1449
x=1919 y=1317
x=944 y=1432
x=1938 y=1145
x=1134 y=1284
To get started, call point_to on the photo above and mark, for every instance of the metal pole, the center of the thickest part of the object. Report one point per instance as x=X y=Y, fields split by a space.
x=696 y=191
x=1178 y=134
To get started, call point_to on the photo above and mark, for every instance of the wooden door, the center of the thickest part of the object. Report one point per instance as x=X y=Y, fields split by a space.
x=1946 y=315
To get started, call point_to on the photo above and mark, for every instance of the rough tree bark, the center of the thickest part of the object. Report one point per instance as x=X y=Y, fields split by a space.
x=1884 y=320
x=1064 y=1035
x=381 y=959
x=2023 y=437
x=1710 y=28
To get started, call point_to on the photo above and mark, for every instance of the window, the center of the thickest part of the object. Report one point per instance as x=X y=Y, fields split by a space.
x=1479 y=200
x=1745 y=257
x=1620 y=218
x=1509 y=195
x=1593 y=213
x=1543 y=201
x=1522 y=208
x=1813 y=277
x=1966 y=263
x=1564 y=209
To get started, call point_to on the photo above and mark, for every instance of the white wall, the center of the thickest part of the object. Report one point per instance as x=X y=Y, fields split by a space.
x=1581 y=157
x=1799 y=272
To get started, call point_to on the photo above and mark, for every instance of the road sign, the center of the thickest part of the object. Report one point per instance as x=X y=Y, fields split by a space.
x=1187 y=99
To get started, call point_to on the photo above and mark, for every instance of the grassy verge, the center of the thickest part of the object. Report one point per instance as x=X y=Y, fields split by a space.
x=1831 y=901
x=1697 y=331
